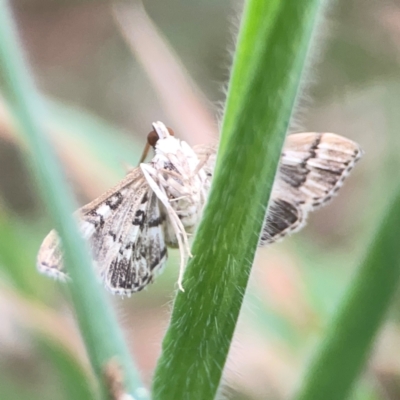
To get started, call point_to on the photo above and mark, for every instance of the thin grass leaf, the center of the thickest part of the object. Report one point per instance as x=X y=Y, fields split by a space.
x=360 y=314
x=98 y=325
x=272 y=47
x=95 y=153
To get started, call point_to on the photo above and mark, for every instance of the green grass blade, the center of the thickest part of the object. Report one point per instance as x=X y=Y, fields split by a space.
x=98 y=325
x=272 y=47
x=358 y=318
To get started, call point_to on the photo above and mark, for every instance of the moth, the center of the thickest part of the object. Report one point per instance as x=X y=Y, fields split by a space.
x=159 y=204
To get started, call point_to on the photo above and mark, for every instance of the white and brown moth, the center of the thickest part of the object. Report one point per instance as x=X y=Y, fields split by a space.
x=160 y=203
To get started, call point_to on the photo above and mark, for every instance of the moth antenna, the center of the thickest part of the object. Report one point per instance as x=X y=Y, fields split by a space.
x=145 y=152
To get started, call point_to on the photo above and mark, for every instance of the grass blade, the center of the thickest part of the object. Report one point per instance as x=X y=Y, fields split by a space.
x=359 y=316
x=98 y=325
x=272 y=47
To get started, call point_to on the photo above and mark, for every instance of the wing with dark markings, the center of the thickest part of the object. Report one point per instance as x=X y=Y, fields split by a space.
x=313 y=167
x=143 y=252
x=114 y=225
x=125 y=226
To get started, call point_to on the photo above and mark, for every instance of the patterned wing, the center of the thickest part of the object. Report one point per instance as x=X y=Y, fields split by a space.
x=112 y=224
x=313 y=168
x=142 y=253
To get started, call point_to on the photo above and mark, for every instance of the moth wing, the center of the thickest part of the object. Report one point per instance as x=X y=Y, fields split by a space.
x=49 y=258
x=102 y=222
x=312 y=169
x=142 y=253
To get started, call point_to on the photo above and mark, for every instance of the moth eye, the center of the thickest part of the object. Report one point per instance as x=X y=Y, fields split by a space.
x=152 y=138
x=171 y=132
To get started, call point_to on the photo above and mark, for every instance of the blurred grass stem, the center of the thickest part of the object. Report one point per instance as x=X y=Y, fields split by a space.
x=97 y=323
x=273 y=42
x=351 y=333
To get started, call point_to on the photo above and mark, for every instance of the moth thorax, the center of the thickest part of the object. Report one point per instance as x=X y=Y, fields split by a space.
x=169 y=145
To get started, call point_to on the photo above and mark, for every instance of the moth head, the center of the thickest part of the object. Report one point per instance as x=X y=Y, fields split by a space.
x=160 y=131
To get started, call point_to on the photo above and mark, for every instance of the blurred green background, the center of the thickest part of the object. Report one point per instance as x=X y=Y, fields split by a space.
x=106 y=77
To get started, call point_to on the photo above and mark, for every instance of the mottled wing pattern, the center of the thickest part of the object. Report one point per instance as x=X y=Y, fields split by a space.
x=312 y=169
x=142 y=253
x=125 y=227
x=113 y=224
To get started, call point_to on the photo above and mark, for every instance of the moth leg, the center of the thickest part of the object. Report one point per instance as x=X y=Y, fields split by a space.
x=171 y=172
x=202 y=162
x=181 y=235
x=178 y=198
